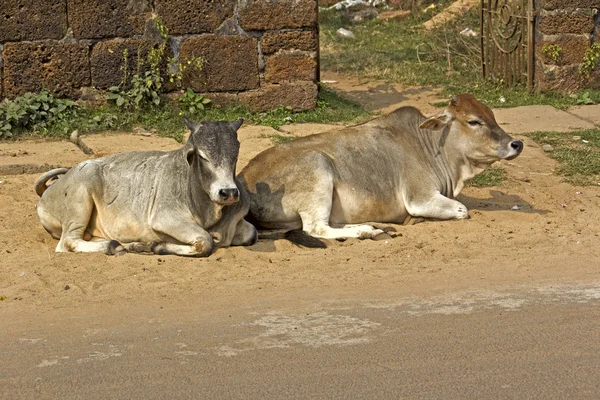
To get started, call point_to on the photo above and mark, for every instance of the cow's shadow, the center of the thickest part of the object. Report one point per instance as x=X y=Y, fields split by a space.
x=500 y=201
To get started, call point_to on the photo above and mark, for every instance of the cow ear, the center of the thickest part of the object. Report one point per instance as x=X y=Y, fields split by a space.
x=436 y=122
x=237 y=124
x=190 y=153
x=189 y=124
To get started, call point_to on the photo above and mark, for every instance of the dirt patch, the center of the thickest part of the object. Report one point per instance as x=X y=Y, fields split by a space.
x=383 y=96
x=551 y=237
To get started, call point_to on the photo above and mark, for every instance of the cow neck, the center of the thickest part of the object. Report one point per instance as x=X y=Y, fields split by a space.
x=450 y=160
x=460 y=168
x=205 y=212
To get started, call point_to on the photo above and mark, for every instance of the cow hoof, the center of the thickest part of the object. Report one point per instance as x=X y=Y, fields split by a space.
x=115 y=249
x=382 y=236
x=158 y=248
x=462 y=213
x=140 y=248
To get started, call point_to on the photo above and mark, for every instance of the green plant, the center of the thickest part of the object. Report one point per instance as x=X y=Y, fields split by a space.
x=582 y=98
x=192 y=103
x=34 y=111
x=144 y=88
x=552 y=51
x=579 y=158
x=590 y=59
x=490 y=177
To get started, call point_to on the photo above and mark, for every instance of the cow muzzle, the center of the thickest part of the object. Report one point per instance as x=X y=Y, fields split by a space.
x=228 y=196
x=515 y=148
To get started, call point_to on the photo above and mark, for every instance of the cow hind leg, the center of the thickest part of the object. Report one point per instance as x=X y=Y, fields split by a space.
x=74 y=228
x=74 y=244
x=316 y=211
x=49 y=222
x=245 y=234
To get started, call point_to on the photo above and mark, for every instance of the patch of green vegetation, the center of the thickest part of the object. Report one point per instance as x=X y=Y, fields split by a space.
x=590 y=60
x=193 y=103
x=331 y=108
x=579 y=158
x=34 y=111
x=405 y=52
x=552 y=51
x=167 y=117
x=493 y=176
x=277 y=138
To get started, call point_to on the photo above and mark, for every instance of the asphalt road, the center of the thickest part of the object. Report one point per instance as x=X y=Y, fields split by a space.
x=537 y=343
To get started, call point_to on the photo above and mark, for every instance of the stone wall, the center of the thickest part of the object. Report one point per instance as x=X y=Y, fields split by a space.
x=565 y=30
x=260 y=53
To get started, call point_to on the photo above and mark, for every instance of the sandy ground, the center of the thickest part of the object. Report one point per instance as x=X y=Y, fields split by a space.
x=359 y=318
x=553 y=235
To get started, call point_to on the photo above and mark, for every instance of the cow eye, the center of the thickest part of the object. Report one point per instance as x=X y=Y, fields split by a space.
x=474 y=123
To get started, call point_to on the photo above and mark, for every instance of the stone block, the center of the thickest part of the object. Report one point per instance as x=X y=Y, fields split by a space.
x=565 y=79
x=98 y=19
x=568 y=4
x=221 y=100
x=32 y=20
x=566 y=23
x=290 y=67
x=194 y=16
x=273 y=42
x=299 y=96
x=260 y=15
x=229 y=63
x=572 y=49
x=61 y=68
x=108 y=60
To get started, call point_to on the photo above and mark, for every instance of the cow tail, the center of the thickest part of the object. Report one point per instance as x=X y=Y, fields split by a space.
x=40 y=184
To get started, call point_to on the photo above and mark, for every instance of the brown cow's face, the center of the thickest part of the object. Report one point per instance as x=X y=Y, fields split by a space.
x=475 y=130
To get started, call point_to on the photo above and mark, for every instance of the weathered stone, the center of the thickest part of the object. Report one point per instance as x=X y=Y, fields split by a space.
x=568 y=4
x=220 y=100
x=228 y=63
x=548 y=147
x=566 y=23
x=260 y=15
x=290 y=67
x=60 y=68
x=97 y=19
x=1 y=73
x=217 y=99
x=32 y=20
x=565 y=79
x=109 y=59
x=572 y=48
x=194 y=16
x=299 y=96
x=293 y=40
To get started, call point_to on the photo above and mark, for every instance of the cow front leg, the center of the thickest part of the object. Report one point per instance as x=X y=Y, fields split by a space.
x=436 y=207
x=191 y=239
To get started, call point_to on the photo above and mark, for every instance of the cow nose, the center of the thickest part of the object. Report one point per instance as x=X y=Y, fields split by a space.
x=517 y=145
x=226 y=194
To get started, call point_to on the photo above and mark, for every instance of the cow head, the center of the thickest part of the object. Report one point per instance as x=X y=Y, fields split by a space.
x=212 y=150
x=473 y=128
